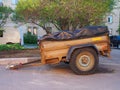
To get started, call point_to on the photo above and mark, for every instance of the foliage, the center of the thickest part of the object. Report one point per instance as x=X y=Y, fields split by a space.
x=64 y=13
x=4 y=14
x=15 y=18
x=11 y=47
x=30 y=39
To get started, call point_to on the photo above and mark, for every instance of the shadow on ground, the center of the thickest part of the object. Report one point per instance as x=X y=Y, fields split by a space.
x=104 y=70
x=64 y=69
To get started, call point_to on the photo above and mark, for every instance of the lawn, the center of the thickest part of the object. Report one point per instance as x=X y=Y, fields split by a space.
x=17 y=51
x=7 y=47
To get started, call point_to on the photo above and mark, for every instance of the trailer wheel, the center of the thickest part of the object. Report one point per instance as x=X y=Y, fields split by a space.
x=84 y=61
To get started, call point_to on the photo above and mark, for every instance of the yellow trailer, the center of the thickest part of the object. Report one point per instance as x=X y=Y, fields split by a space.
x=82 y=54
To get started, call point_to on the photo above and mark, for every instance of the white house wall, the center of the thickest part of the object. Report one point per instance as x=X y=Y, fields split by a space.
x=10 y=35
x=113 y=27
x=53 y=27
x=40 y=31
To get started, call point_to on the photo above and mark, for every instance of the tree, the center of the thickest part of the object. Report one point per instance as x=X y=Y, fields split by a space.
x=64 y=14
x=4 y=15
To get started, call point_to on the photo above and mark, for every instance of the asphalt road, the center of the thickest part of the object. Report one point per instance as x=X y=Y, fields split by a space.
x=60 y=77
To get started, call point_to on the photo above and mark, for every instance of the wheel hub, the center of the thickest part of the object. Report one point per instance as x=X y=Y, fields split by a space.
x=84 y=60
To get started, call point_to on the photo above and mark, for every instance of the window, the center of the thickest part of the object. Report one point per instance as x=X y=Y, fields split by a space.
x=14 y=1
x=35 y=30
x=110 y=31
x=110 y=19
x=49 y=29
x=1 y=33
x=29 y=29
x=32 y=30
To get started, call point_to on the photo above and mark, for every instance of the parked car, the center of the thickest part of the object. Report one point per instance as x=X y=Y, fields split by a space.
x=115 y=41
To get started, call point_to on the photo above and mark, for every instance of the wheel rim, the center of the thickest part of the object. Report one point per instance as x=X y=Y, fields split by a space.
x=84 y=60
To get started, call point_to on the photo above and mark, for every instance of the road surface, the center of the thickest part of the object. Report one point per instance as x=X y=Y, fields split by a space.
x=60 y=77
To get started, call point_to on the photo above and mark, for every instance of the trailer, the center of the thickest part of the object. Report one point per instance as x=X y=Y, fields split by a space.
x=81 y=52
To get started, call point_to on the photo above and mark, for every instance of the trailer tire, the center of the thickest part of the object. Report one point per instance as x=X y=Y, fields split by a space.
x=84 y=61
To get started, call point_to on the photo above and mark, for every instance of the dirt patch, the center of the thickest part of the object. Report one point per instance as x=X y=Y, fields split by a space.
x=20 y=53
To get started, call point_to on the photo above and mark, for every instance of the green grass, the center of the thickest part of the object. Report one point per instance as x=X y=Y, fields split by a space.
x=6 y=47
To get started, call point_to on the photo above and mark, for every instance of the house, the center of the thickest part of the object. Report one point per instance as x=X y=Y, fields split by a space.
x=14 y=32
x=113 y=19
x=10 y=33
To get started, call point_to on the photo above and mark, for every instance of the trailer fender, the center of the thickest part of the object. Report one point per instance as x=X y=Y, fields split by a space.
x=73 y=48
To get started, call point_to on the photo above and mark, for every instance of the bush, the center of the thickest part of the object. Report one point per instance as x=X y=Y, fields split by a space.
x=30 y=39
x=11 y=47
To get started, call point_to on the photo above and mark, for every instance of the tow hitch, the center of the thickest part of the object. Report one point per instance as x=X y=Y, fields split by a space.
x=21 y=65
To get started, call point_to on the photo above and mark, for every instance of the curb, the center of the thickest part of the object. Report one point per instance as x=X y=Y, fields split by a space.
x=6 y=61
